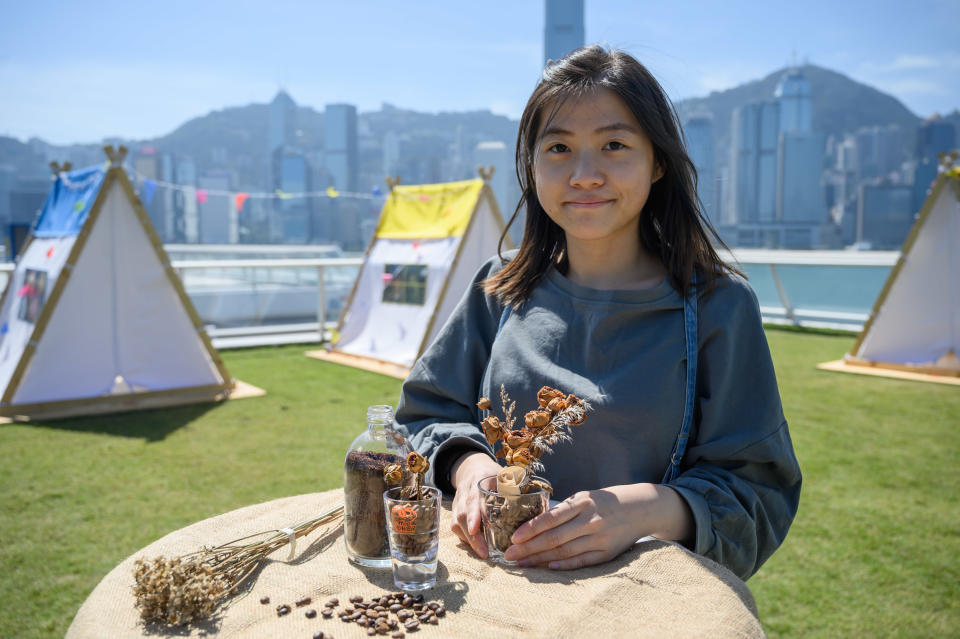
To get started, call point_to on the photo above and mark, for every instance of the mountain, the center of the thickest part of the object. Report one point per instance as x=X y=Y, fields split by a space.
x=840 y=105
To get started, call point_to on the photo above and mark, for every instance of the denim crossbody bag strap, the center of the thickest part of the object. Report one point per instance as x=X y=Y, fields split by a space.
x=690 y=338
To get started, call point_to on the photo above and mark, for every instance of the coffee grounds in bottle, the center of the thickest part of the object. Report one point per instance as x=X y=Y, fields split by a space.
x=364 y=522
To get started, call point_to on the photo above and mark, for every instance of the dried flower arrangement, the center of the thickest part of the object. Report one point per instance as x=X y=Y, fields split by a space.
x=189 y=588
x=413 y=522
x=522 y=449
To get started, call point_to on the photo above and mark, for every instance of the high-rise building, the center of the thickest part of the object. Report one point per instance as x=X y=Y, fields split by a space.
x=292 y=175
x=340 y=145
x=698 y=131
x=796 y=105
x=935 y=136
x=879 y=151
x=755 y=130
x=218 y=214
x=800 y=196
x=282 y=122
x=563 y=28
x=884 y=214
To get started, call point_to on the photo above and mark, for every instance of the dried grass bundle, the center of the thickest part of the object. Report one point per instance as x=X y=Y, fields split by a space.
x=189 y=588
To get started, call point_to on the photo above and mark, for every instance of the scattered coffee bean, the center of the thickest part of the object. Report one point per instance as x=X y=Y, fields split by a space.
x=356 y=599
x=382 y=627
x=424 y=617
x=397 y=635
x=363 y=622
x=310 y=614
x=348 y=610
x=282 y=609
x=320 y=635
x=392 y=623
x=395 y=608
x=371 y=632
x=441 y=611
x=264 y=600
x=433 y=620
x=332 y=603
x=412 y=624
x=327 y=613
x=433 y=605
x=303 y=602
x=418 y=606
x=407 y=601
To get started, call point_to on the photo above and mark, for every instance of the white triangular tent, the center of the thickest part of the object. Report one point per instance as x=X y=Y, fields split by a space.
x=429 y=242
x=914 y=329
x=93 y=318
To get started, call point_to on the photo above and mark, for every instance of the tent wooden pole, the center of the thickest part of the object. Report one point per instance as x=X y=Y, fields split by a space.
x=939 y=185
x=41 y=326
x=161 y=253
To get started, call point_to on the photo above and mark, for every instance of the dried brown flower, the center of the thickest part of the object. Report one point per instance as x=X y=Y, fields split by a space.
x=393 y=474
x=545 y=394
x=492 y=429
x=521 y=457
x=417 y=463
x=536 y=419
x=556 y=405
x=519 y=439
x=483 y=404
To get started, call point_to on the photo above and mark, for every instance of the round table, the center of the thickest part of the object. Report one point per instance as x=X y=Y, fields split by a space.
x=655 y=589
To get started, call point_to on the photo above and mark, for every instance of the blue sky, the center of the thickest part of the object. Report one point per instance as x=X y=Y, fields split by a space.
x=81 y=71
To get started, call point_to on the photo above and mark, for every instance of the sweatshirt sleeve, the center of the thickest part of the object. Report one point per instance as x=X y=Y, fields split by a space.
x=740 y=475
x=437 y=406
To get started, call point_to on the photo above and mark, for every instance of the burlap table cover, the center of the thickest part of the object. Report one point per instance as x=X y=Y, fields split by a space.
x=656 y=589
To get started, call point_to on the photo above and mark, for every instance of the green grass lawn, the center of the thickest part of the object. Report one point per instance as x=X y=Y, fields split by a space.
x=874 y=550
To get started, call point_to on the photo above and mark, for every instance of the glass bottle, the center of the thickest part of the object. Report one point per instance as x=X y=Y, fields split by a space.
x=364 y=523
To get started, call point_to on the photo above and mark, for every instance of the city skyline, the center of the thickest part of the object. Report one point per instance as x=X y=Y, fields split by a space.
x=68 y=77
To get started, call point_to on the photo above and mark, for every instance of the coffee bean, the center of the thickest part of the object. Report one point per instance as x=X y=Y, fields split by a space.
x=303 y=602
x=332 y=603
x=433 y=620
x=327 y=613
x=397 y=635
x=424 y=617
x=356 y=599
x=433 y=605
x=282 y=610
x=348 y=610
x=412 y=624
x=264 y=600
x=441 y=611
x=407 y=601
x=392 y=623
x=363 y=622
x=382 y=627
x=310 y=614
x=371 y=632
x=395 y=607
x=418 y=606
x=319 y=635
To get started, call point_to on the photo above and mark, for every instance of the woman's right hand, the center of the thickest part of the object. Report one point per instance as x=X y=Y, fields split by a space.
x=466 y=472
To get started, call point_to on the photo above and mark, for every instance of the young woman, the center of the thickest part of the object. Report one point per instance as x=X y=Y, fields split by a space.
x=616 y=295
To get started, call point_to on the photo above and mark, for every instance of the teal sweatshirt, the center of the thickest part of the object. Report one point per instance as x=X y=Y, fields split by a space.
x=624 y=352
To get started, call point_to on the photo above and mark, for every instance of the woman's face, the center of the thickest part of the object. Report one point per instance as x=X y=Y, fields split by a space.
x=593 y=168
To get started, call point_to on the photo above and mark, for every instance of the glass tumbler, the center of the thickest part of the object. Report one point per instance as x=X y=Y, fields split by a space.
x=503 y=514
x=414 y=532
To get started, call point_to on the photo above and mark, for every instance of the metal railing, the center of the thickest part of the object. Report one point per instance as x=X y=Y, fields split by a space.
x=301 y=276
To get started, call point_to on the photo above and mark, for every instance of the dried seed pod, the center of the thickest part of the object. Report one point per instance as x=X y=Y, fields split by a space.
x=556 y=405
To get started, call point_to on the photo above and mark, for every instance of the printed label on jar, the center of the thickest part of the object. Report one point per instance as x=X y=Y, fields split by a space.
x=403 y=519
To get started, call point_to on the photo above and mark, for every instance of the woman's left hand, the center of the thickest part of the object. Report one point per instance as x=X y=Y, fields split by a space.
x=592 y=527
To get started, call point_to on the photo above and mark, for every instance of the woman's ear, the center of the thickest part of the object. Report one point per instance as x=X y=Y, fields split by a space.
x=657 y=172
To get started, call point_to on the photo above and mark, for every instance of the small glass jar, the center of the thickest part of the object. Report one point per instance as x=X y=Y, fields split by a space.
x=364 y=523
